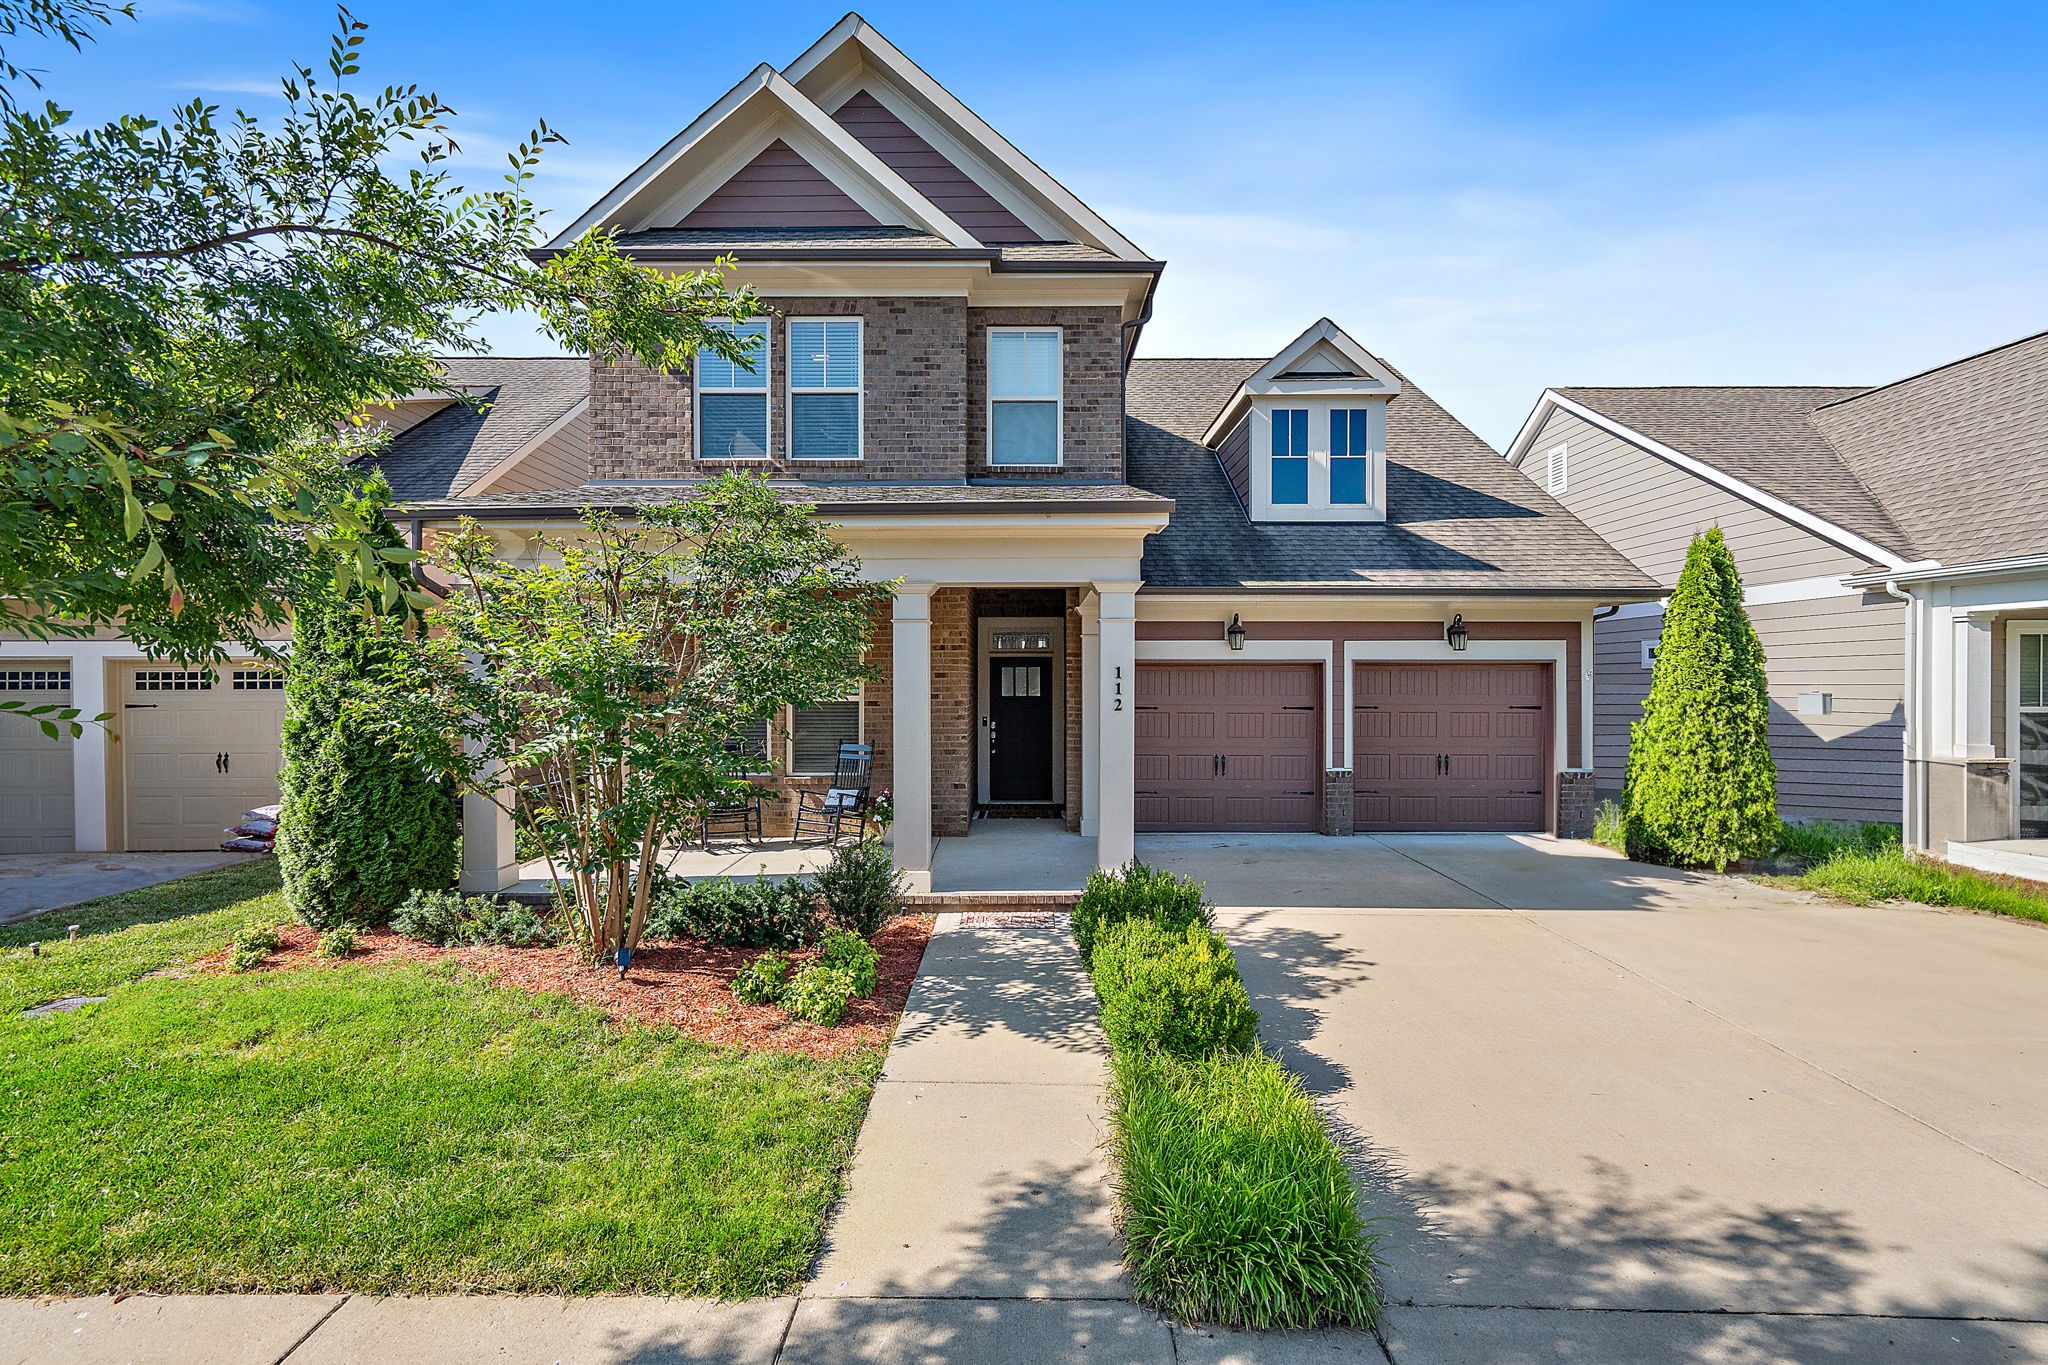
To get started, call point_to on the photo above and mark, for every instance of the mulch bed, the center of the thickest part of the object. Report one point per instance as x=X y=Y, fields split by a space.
x=680 y=984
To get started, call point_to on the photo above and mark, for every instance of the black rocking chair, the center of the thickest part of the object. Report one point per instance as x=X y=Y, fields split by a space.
x=742 y=817
x=824 y=815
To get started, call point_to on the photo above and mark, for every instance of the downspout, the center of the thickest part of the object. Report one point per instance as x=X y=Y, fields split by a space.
x=1587 y=711
x=1912 y=810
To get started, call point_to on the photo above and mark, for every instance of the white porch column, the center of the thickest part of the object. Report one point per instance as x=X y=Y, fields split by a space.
x=1091 y=721
x=1973 y=686
x=1116 y=674
x=89 y=752
x=910 y=667
x=490 y=858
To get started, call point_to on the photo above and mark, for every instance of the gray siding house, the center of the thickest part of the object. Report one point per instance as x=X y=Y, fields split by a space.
x=1894 y=549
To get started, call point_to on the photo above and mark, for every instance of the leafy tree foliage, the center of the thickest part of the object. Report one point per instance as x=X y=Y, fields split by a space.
x=363 y=826
x=617 y=675
x=184 y=300
x=1701 y=788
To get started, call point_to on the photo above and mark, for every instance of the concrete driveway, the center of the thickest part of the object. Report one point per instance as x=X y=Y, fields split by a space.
x=1617 y=1113
x=33 y=884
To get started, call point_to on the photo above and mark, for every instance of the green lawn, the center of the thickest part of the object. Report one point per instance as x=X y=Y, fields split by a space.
x=1863 y=878
x=388 y=1129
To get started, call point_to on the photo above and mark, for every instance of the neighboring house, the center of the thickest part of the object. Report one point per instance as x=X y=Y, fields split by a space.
x=1894 y=549
x=1287 y=593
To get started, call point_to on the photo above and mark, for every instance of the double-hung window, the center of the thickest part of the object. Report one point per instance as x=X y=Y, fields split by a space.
x=752 y=746
x=1350 y=455
x=1024 y=396
x=816 y=732
x=732 y=398
x=1290 y=457
x=824 y=388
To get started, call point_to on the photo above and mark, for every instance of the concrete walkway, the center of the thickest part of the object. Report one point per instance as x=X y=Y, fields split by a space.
x=36 y=883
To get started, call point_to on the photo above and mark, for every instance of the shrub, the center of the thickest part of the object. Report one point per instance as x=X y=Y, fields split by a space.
x=760 y=982
x=360 y=824
x=449 y=919
x=252 y=949
x=860 y=887
x=1174 y=993
x=1607 y=827
x=1701 y=787
x=736 y=914
x=820 y=994
x=853 y=955
x=1136 y=892
x=1237 y=1206
x=339 y=941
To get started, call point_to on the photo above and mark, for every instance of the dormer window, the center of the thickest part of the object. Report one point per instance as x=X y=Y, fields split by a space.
x=732 y=398
x=1350 y=456
x=1290 y=456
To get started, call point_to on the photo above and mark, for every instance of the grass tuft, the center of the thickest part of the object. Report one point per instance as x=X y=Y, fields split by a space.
x=1815 y=841
x=1237 y=1207
x=1890 y=874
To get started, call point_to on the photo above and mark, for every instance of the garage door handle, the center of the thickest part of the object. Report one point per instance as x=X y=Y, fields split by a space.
x=138 y=706
x=1224 y=759
x=1533 y=706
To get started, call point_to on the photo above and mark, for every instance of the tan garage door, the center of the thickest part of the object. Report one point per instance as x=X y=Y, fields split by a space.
x=1451 y=746
x=1228 y=746
x=35 y=770
x=200 y=747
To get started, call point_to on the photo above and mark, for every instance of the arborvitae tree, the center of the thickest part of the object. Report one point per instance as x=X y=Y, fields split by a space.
x=362 y=826
x=1701 y=786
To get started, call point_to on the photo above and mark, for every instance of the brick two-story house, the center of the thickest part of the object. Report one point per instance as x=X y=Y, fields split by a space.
x=1278 y=593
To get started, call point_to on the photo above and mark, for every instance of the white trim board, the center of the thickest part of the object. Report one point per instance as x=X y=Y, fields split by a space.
x=1554 y=401
x=1254 y=651
x=1552 y=652
x=1763 y=595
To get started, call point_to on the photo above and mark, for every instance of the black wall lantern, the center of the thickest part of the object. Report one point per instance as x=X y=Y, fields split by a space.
x=1455 y=632
x=1234 y=632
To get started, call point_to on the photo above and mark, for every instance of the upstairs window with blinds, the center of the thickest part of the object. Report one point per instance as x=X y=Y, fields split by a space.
x=2033 y=675
x=732 y=398
x=816 y=732
x=1024 y=396
x=824 y=388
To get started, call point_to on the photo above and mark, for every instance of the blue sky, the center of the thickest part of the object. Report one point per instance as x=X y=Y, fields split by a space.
x=1495 y=197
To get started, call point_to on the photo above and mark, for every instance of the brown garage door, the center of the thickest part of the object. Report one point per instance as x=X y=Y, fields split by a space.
x=1451 y=746
x=1228 y=746
x=202 y=745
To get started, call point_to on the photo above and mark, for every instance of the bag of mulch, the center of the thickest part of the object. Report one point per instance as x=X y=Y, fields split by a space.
x=245 y=845
x=272 y=813
x=255 y=829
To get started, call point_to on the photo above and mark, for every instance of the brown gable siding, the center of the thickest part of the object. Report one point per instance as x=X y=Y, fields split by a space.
x=778 y=188
x=927 y=169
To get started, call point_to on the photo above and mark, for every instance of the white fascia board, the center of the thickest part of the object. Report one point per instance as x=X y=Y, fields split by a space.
x=1933 y=571
x=881 y=53
x=764 y=83
x=1518 y=449
x=1266 y=382
x=1798 y=516
x=483 y=482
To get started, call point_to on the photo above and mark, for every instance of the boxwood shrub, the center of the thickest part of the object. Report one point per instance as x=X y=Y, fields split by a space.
x=1237 y=1207
x=1177 y=993
x=1136 y=892
x=736 y=914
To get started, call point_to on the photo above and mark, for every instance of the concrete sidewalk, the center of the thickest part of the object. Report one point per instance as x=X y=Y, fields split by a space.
x=34 y=884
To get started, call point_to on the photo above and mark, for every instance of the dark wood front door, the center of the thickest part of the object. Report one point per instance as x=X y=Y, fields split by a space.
x=1228 y=747
x=1450 y=746
x=1020 y=729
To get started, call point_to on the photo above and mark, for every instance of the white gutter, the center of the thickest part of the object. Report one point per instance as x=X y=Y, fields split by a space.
x=1934 y=571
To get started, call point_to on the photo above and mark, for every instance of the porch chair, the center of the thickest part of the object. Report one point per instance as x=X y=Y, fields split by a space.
x=742 y=816
x=824 y=815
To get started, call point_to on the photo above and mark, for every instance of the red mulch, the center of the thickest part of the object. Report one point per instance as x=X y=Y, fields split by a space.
x=682 y=984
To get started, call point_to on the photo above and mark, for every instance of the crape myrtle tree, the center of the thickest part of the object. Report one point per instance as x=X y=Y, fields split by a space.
x=615 y=676
x=184 y=299
x=362 y=824
x=1701 y=787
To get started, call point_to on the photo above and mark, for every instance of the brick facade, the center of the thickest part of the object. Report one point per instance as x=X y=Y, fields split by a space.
x=924 y=411
x=1336 y=817
x=1092 y=383
x=952 y=711
x=1575 y=803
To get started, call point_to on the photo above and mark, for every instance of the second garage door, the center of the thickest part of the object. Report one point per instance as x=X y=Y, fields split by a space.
x=1228 y=747
x=1451 y=746
x=201 y=747
x=35 y=770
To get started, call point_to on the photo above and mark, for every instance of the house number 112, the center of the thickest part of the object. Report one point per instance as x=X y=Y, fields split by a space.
x=1117 y=702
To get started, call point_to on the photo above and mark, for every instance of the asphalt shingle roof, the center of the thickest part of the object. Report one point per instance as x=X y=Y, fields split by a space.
x=521 y=397
x=1460 y=519
x=1765 y=436
x=1958 y=455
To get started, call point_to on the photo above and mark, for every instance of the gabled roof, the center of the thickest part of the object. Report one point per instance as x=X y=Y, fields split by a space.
x=1958 y=454
x=1460 y=521
x=748 y=120
x=1323 y=361
x=516 y=401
